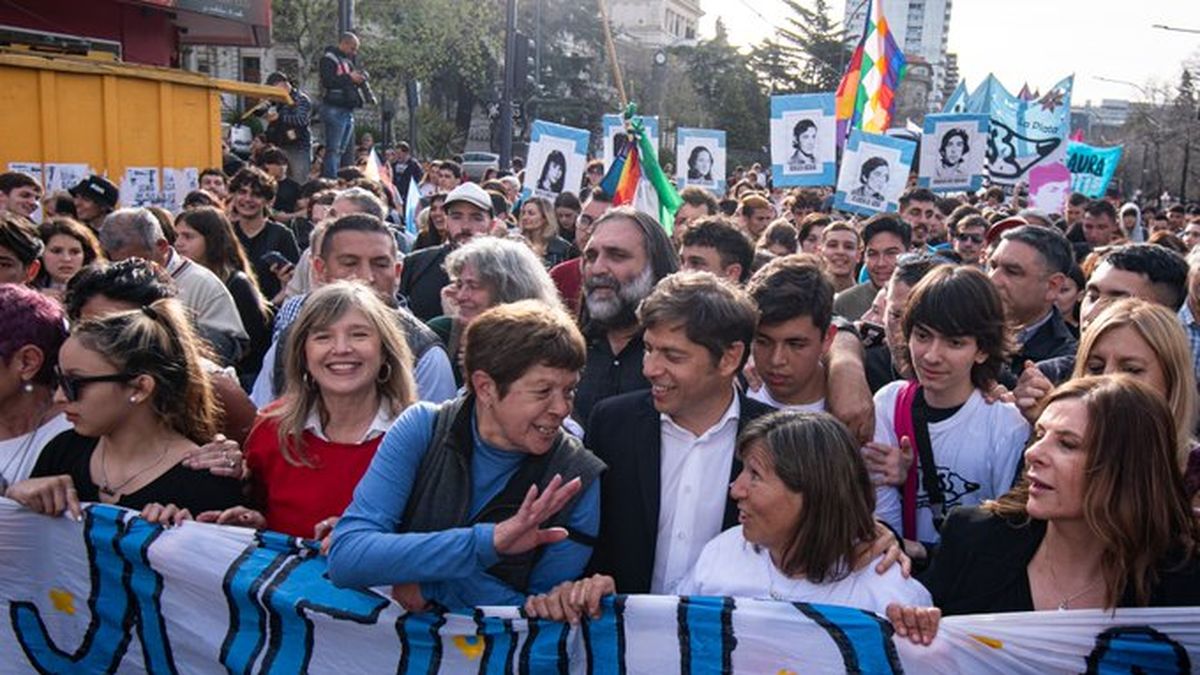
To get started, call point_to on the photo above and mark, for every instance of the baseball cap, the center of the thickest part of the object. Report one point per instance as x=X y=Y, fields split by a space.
x=277 y=77
x=472 y=194
x=1002 y=226
x=99 y=190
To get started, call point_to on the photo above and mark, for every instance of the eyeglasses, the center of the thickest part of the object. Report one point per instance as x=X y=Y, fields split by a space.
x=973 y=238
x=72 y=386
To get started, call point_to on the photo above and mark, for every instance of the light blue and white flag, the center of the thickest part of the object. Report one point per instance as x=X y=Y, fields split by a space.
x=1023 y=134
x=957 y=103
x=1092 y=168
x=953 y=149
x=114 y=593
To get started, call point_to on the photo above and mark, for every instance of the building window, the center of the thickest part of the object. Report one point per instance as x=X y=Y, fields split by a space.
x=251 y=69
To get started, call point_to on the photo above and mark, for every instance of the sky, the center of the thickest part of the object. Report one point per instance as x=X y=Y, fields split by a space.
x=1038 y=41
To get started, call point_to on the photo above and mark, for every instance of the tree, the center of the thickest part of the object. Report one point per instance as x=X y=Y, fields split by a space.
x=306 y=26
x=573 y=84
x=807 y=54
x=777 y=66
x=727 y=84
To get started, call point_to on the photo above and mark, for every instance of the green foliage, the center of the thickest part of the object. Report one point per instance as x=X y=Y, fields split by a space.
x=808 y=54
x=306 y=26
x=439 y=137
x=727 y=84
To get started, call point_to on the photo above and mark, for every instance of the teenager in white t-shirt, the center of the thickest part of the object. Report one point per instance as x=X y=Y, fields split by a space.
x=795 y=330
x=954 y=325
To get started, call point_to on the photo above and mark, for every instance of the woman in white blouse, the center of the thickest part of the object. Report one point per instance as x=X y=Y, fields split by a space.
x=805 y=508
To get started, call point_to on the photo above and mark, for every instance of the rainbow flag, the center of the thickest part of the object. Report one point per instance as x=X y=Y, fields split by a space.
x=635 y=177
x=866 y=95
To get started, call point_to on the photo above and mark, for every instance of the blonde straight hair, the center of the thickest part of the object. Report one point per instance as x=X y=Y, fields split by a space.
x=301 y=395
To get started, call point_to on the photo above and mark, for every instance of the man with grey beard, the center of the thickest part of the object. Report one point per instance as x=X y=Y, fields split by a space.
x=625 y=258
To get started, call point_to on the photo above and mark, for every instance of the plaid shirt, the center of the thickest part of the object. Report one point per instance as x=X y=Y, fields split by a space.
x=1192 y=326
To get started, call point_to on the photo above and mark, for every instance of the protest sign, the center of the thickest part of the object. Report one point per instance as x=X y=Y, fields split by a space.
x=1023 y=134
x=700 y=159
x=613 y=127
x=1091 y=168
x=115 y=593
x=952 y=152
x=557 y=159
x=140 y=186
x=874 y=171
x=803 y=139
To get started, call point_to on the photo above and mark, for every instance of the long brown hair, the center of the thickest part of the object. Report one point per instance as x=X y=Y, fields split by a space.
x=1134 y=499
x=301 y=396
x=817 y=457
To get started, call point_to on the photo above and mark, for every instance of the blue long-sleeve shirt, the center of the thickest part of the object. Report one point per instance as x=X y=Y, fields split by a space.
x=450 y=565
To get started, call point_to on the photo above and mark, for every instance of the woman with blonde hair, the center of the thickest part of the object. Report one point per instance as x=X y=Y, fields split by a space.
x=1099 y=520
x=133 y=388
x=1146 y=341
x=348 y=377
x=539 y=227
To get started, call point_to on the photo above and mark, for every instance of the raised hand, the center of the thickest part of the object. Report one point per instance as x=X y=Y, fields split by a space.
x=523 y=532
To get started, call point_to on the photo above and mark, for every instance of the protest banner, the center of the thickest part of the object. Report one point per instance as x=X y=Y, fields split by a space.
x=557 y=160
x=700 y=159
x=952 y=152
x=1023 y=134
x=613 y=129
x=115 y=593
x=874 y=171
x=1092 y=168
x=803 y=139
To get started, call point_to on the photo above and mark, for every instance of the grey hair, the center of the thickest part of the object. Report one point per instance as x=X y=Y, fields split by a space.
x=135 y=226
x=364 y=202
x=511 y=270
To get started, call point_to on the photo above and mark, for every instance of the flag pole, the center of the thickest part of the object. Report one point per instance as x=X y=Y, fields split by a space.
x=612 y=53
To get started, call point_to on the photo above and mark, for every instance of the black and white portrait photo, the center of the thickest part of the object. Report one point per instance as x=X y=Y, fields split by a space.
x=553 y=173
x=873 y=177
x=953 y=149
x=700 y=165
x=804 y=147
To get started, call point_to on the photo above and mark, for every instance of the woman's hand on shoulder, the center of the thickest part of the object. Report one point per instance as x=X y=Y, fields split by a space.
x=49 y=495
x=887 y=545
x=571 y=599
x=220 y=457
x=918 y=624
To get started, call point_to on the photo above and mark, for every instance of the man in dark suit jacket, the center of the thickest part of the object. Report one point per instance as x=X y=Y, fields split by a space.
x=626 y=434
x=671 y=450
x=468 y=214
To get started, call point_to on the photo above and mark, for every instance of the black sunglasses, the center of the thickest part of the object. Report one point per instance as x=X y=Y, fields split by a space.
x=72 y=386
x=974 y=238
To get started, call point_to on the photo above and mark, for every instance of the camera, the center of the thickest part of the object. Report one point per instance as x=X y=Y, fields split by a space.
x=368 y=95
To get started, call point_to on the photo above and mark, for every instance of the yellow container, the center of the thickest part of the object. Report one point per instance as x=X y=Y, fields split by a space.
x=111 y=116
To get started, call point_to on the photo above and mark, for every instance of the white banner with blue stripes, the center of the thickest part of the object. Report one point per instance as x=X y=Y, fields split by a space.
x=116 y=594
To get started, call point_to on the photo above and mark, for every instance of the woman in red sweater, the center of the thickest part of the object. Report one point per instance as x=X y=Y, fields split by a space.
x=349 y=375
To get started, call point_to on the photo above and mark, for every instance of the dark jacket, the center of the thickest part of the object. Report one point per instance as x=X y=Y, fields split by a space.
x=337 y=88
x=625 y=432
x=982 y=560
x=1052 y=339
x=422 y=280
x=290 y=129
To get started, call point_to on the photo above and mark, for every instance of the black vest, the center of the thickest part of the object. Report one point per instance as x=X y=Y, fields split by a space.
x=441 y=494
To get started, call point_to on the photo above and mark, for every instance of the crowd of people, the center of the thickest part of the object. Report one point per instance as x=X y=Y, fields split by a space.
x=966 y=406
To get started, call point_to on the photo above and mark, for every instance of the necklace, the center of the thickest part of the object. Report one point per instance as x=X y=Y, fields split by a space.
x=112 y=491
x=1065 y=603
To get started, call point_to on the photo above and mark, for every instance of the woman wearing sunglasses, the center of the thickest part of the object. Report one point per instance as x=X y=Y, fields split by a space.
x=132 y=386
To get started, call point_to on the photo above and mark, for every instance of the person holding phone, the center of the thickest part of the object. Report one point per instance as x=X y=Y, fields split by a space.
x=251 y=192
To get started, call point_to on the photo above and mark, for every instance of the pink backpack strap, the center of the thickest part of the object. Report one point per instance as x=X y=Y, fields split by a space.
x=902 y=422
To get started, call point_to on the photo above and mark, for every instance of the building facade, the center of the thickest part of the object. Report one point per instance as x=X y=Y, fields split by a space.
x=657 y=23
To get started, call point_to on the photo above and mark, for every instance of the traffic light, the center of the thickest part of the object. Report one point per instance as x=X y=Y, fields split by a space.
x=525 y=62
